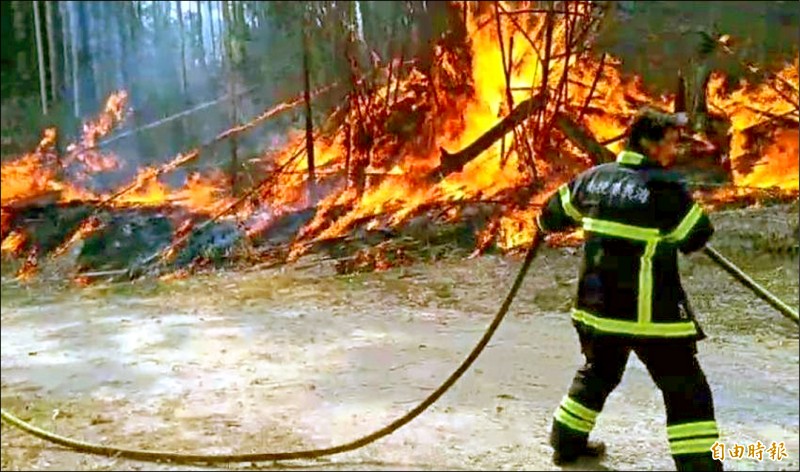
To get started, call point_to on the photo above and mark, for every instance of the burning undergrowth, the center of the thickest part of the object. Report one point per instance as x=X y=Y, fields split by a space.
x=462 y=153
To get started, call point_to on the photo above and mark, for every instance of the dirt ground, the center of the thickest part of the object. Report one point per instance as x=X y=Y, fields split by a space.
x=297 y=358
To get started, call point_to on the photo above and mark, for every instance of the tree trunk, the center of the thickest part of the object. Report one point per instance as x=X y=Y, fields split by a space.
x=123 y=52
x=680 y=94
x=233 y=140
x=117 y=17
x=52 y=48
x=312 y=179
x=64 y=21
x=222 y=30
x=96 y=50
x=200 y=35
x=76 y=44
x=21 y=40
x=129 y=56
x=699 y=96
x=37 y=24
x=225 y=31
x=359 y=22
x=183 y=50
x=228 y=67
x=348 y=142
x=85 y=56
x=211 y=28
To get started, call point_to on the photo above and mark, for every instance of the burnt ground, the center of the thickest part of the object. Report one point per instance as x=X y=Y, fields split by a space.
x=297 y=357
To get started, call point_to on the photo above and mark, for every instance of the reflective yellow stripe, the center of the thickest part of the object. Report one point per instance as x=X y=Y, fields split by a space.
x=645 y=299
x=649 y=235
x=687 y=223
x=692 y=446
x=574 y=423
x=690 y=430
x=676 y=329
x=539 y=223
x=579 y=410
x=620 y=230
x=566 y=203
x=630 y=157
x=644 y=325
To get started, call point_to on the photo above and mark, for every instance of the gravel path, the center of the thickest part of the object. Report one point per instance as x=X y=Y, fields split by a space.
x=288 y=359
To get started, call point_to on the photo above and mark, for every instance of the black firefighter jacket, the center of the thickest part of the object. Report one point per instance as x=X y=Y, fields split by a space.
x=636 y=215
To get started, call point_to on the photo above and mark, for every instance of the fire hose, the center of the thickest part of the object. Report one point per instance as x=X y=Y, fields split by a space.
x=748 y=282
x=150 y=455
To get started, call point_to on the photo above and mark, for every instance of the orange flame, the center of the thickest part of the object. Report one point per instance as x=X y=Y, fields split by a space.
x=13 y=243
x=425 y=116
x=750 y=106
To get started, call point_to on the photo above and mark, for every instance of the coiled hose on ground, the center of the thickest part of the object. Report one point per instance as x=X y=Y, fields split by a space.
x=148 y=455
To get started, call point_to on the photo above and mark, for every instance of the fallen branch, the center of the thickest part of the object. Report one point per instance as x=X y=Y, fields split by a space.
x=272 y=112
x=616 y=138
x=166 y=120
x=566 y=13
x=592 y=88
x=193 y=154
x=455 y=162
x=773 y=116
x=450 y=163
x=168 y=167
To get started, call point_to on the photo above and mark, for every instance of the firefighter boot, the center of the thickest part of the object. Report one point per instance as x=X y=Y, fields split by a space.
x=697 y=462
x=569 y=446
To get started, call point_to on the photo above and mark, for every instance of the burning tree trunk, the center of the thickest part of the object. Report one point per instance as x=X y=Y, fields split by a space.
x=694 y=93
x=312 y=193
x=699 y=105
x=691 y=97
x=229 y=64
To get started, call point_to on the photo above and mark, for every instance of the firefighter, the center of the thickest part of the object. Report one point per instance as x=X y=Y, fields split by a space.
x=636 y=215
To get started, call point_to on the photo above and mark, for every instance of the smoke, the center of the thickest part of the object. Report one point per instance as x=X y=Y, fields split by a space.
x=140 y=51
x=169 y=63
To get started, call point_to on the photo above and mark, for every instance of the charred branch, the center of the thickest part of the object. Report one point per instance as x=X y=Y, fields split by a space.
x=309 y=122
x=577 y=134
x=455 y=162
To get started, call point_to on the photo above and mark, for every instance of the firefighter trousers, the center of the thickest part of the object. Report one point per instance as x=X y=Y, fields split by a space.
x=691 y=427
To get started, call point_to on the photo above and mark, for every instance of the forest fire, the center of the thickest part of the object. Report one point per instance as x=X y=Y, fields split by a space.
x=381 y=173
x=748 y=107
